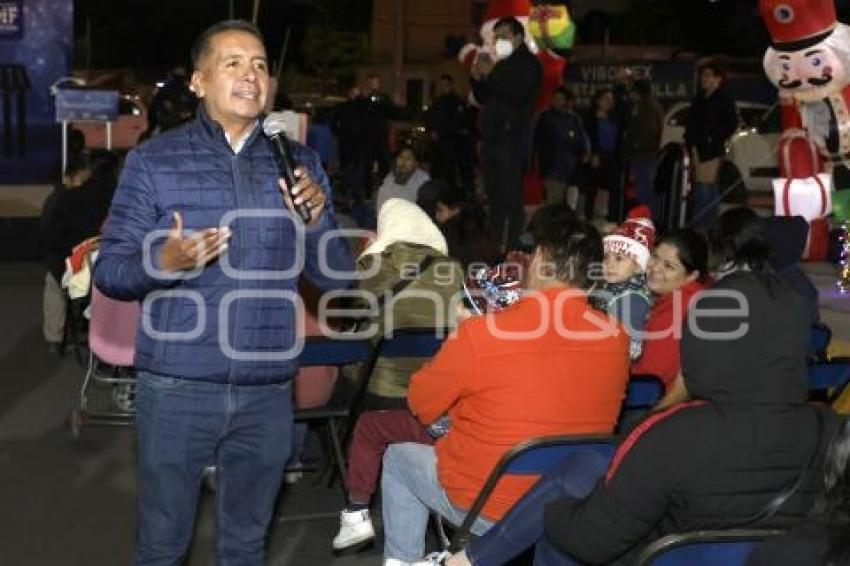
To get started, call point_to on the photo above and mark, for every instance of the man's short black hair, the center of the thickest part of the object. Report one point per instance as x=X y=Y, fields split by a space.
x=715 y=67
x=516 y=26
x=202 y=45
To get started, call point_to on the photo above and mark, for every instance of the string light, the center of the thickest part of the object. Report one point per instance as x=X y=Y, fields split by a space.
x=844 y=258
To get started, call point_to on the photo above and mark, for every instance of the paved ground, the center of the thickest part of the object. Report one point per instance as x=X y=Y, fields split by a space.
x=65 y=503
x=71 y=503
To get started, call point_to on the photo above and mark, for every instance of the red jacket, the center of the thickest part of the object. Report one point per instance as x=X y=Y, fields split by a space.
x=663 y=331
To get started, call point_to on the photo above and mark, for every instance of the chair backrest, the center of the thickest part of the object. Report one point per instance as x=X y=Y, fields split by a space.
x=535 y=456
x=643 y=392
x=833 y=374
x=320 y=351
x=413 y=343
x=819 y=339
x=705 y=548
x=112 y=329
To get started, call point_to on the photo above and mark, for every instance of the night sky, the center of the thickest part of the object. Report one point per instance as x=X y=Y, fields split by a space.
x=157 y=34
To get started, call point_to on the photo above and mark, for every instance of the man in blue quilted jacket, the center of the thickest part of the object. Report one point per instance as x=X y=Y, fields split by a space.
x=201 y=231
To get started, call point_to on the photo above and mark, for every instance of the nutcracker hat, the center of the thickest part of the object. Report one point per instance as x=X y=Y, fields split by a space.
x=634 y=237
x=798 y=24
x=497 y=9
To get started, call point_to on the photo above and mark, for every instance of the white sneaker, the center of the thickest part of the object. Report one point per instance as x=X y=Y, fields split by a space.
x=355 y=527
x=433 y=559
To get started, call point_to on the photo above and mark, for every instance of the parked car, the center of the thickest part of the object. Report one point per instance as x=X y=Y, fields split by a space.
x=750 y=163
x=131 y=123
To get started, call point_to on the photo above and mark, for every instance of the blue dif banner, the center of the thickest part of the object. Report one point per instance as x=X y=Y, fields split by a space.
x=36 y=42
x=11 y=19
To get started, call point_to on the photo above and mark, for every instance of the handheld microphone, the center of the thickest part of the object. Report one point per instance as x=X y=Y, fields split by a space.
x=274 y=126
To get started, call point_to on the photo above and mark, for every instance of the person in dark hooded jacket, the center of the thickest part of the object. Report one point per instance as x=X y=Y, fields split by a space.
x=787 y=235
x=725 y=459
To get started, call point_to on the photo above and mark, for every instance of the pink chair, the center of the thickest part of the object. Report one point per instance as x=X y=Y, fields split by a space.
x=109 y=379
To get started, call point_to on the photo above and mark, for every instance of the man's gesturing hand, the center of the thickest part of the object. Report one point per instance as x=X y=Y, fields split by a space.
x=306 y=190
x=179 y=253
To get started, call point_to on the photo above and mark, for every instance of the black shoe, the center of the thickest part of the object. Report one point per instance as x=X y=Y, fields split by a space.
x=54 y=348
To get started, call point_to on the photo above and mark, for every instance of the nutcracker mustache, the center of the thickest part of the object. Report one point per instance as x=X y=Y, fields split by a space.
x=785 y=83
x=819 y=82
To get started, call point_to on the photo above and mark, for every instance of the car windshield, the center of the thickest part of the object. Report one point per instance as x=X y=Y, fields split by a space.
x=770 y=122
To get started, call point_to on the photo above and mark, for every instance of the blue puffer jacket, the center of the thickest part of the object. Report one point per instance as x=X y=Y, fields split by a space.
x=235 y=321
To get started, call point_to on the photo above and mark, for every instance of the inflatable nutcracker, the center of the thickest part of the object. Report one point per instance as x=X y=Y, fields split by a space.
x=809 y=62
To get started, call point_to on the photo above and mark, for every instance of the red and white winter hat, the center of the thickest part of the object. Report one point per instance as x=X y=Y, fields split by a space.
x=798 y=24
x=633 y=238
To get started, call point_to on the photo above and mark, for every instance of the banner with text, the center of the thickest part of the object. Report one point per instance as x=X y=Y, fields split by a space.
x=672 y=81
x=36 y=40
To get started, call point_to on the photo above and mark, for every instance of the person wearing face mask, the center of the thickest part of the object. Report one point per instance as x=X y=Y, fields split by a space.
x=404 y=180
x=506 y=86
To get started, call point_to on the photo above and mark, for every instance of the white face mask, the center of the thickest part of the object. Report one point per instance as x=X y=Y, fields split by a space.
x=504 y=48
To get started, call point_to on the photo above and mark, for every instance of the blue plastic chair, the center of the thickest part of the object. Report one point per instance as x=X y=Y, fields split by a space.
x=831 y=375
x=326 y=352
x=819 y=340
x=320 y=351
x=533 y=457
x=413 y=343
x=643 y=392
x=827 y=376
x=705 y=548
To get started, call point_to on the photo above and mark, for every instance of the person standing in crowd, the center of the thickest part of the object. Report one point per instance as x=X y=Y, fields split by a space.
x=347 y=125
x=643 y=140
x=501 y=388
x=449 y=122
x=379 y=110
x=172 y=104
x=560 y=144
x=711 y=122
x=215 y=355
x=507 y=88
x=404 y=180
x=320 y=139
x=622 y=112
x=603 y=166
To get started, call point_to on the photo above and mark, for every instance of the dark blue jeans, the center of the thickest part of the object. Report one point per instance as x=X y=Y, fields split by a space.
x=705 y=205
x=184 y=426
x=522 y=526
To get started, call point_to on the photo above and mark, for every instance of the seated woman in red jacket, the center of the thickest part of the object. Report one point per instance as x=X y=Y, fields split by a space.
x=677 y=271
